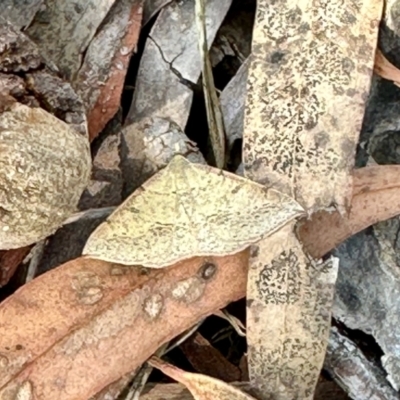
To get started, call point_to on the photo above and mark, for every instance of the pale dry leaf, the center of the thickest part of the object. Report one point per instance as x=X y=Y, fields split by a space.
x=45 y=166
x=302 y=126
x=201 y=386
x=186 y=210
x=288 y=317
x=301 y=130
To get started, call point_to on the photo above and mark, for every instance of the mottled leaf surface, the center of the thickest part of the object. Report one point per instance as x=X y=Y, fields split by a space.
x=288 y=316
x=305 y=121
x=189 y=209
x=308 y=83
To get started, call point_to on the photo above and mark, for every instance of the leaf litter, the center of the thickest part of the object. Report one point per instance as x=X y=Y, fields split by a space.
x=36 y=317
x=377 y=186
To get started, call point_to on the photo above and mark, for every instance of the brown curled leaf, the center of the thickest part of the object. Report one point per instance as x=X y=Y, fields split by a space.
x=376 y=197
x=9 y=262
x=326 y=390
x=206 y=359
x=202 y=387
x=99 y=321
x=101 y=78
x=385 y=69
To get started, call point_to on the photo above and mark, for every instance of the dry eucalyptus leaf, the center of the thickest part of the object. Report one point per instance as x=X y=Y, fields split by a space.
x=44 y=168
x=327 y=390
x=288 y=316
x=98 y=321
x=101 y=76
x=301 y=130
x=186 y=210
x=305 y=122
x=202 y=387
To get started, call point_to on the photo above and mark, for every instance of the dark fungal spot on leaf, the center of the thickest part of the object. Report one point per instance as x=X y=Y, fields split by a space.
x=277 y=57
x=207 y=270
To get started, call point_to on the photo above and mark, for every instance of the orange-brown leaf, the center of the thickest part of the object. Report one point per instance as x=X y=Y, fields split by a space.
x=76 y=329
x=385 y=69
x=376 y=197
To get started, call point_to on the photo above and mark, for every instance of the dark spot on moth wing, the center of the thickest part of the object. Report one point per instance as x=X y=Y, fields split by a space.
x=207 y=270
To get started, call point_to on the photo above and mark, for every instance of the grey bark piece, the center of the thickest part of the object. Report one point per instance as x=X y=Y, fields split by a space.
x=67 y=243
x=171 y=56
x=233 y=100
x=367 y=292
x=19 y=12
x=159 y=91
x=17 y=52
x=74 y=24
x=106 y=161
x=25 y=76
x=379 y=137
x=152 y=7
x=353 y=372
x=234 y=36
x=178 y=40
x=59 y=98
x=390 y=31
x=148 y=146
x=105 y=188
